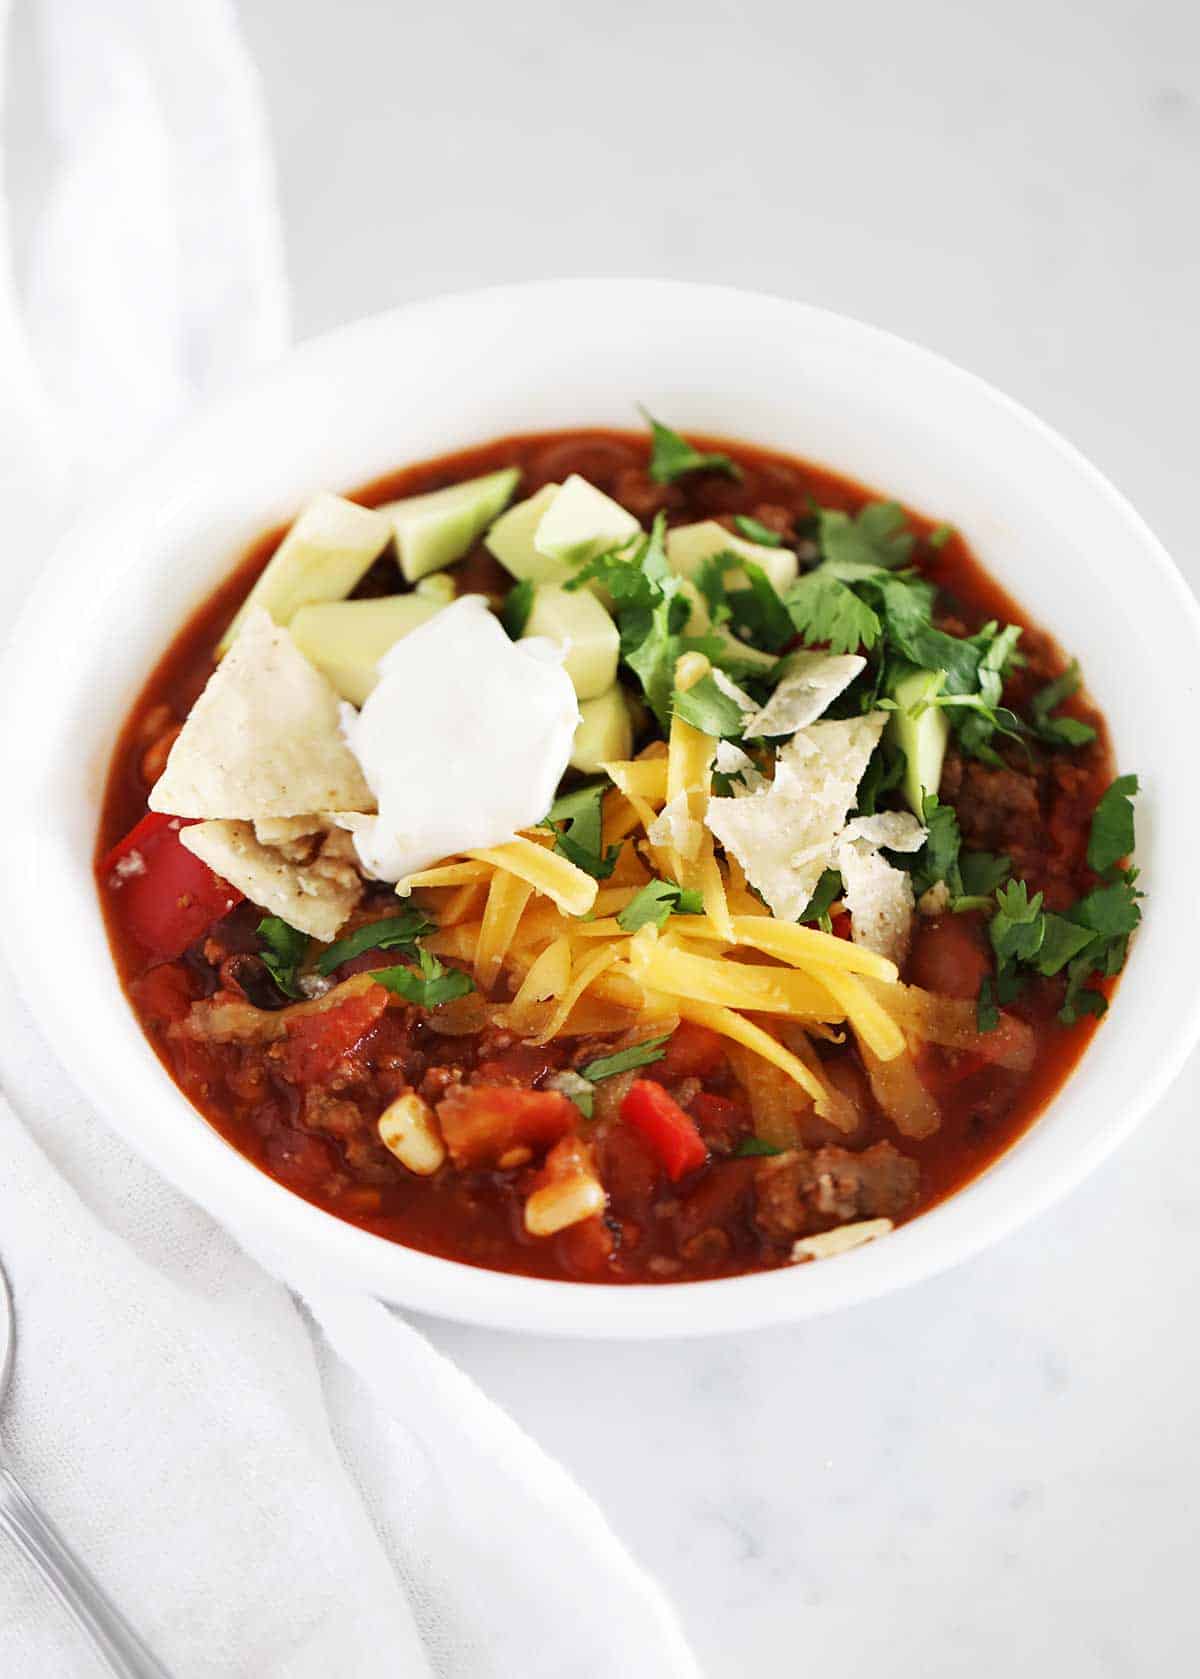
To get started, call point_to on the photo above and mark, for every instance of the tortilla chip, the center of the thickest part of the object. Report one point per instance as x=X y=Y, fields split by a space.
x=316 y=897
x=263 y=740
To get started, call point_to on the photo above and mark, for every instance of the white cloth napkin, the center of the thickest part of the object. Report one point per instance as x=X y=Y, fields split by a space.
x=271 y=1488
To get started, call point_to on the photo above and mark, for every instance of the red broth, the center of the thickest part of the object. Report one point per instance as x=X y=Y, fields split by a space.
x=311 y=1125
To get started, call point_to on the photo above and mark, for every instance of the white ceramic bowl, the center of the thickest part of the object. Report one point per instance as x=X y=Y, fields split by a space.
x=440 y=375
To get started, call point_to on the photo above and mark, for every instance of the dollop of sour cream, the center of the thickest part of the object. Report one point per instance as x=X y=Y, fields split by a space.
x=463 y=741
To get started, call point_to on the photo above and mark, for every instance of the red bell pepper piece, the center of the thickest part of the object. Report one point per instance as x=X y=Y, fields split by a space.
x=662 y=1124
x=166 y=897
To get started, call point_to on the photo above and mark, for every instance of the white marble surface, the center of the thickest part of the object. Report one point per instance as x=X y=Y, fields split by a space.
x=997 y=1471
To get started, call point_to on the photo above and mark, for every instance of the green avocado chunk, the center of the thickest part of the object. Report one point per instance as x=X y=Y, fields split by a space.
x=347 y=638
x=921 y=737
x=323 y=557
x=434 y=530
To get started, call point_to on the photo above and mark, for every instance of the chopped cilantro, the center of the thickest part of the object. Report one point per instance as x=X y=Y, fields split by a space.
x=877 y=536
x=938 y=858
x=518 y=603
x=672 y=456
x=1018 y=926
x=637 y=1055
x=710 y=580
x=940 y=535
x=987 y=1015
x=1059 y=731
x=1112 y=825
x=394 y=932
x=655 y=902
x=751 y=1146
x=980 y=872
x=826 y=611
x=828 y=890
x=429 y=988
x=1092 y=937
x=884 y=771
x=753 y=531
x=579 y=841
x=581 y=1091
x=758 y=613
x=707 y=708
x=282 y=952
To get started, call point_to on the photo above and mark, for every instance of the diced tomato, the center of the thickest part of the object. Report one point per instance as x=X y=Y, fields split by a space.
x=524 y=1064
x=950 y=955
x=166 y=897
x=316 y=1041
x=164 y=994
x=692 y=1053
x=719 y=1119
x=840 y=925
x=670 y=1133
x=484 y=1123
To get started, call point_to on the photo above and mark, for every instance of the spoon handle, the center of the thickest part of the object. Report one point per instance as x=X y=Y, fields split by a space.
x=114 y=1638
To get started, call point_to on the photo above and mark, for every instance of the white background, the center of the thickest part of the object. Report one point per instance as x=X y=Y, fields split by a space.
x=998 y=1471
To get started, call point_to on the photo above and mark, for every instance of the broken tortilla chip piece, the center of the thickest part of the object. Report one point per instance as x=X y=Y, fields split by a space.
x=263 y=740
x=315 y=897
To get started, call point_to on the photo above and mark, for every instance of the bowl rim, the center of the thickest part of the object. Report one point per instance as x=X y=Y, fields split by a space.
x=301 y=1239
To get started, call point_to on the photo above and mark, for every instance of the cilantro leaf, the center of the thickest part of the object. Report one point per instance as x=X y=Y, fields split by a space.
x=758 y=612
x=650 y=614
x=1059 y=731
x=709 y=578
x=637 y=1055
x=824 y=610
x=428 y=988
x=282 y=952
x=753 y=531
x=518 y=604
x=878 y=535
x=580 y=1090
x=938 y=857
x=707 y=708
x=1018 y=926
x=394 y=932
x=1112 y=825
x=580 y=842
x=987 y=1015
x=1062 y=940
x=672 y=456
x=980 y=872
x=752 y=1146
x=828 y=890
x=655 y=902
x=940 y=535
x=884 y=771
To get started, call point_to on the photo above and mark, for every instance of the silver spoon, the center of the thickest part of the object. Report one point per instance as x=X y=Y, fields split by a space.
x=114 y=1638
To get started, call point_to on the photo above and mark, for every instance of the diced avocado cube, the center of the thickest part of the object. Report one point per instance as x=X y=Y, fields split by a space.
x=510 y=540
x=577 y=622
x=922 y=738
x=689 y=545
x=323 y=557
x=434 y=530
x=346 y=639
x=438 y=586
x=605 y=730
x=580 y=522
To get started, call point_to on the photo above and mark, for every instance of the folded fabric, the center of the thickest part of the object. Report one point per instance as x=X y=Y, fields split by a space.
x=267 y=1490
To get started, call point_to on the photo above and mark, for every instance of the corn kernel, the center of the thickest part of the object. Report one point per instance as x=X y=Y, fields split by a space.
x=407 y=1127
x=560 y=1205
